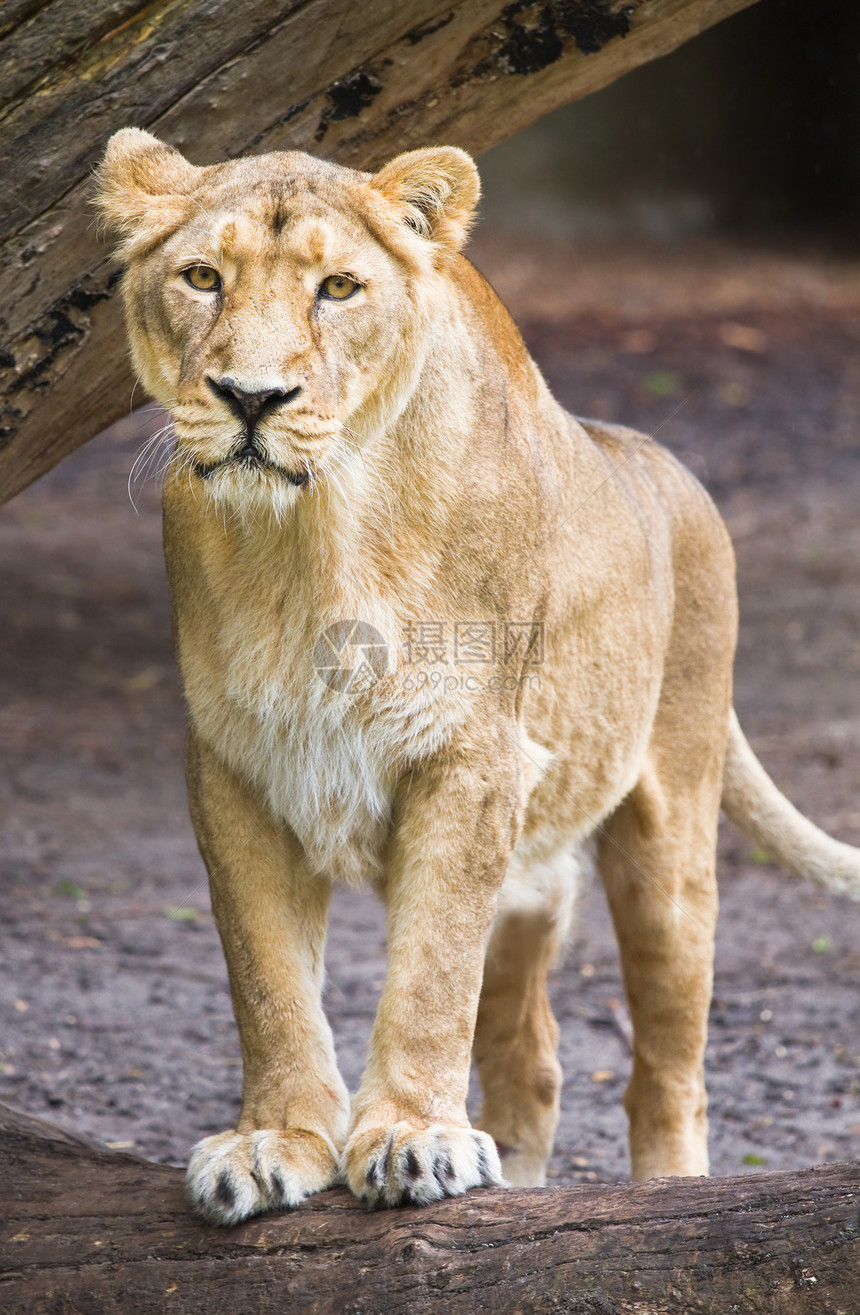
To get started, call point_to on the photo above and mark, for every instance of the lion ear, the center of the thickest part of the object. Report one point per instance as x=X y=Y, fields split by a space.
x=143 y=186
x=436 y=189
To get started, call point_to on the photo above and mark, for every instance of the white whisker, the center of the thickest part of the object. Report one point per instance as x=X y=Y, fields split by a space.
x=155 y=448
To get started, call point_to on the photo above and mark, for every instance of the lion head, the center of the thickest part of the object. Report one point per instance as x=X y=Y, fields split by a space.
x=278 y=305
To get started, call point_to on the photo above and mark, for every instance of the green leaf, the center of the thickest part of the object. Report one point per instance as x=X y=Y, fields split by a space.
x=760 y=856
x=822 y=944
x=662 y=383
x=182 y=913
x=70 y=888
x=753 y=1159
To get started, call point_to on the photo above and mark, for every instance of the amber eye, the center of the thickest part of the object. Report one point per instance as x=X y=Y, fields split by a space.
x=203 y=278
x=338 y=287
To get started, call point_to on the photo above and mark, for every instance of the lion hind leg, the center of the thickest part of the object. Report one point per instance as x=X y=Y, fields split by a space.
x=656 y=858
x=516 y=1035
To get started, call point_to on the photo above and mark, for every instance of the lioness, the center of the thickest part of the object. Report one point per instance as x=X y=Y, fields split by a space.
x=368 y=461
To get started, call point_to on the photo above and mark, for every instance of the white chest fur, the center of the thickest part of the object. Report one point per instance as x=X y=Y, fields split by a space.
x=318 y=764
x=324 y=760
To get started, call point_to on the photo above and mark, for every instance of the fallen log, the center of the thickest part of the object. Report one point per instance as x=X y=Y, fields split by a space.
x=87 y=1230
x=357 y=83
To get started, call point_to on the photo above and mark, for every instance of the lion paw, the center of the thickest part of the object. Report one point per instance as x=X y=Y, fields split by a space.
x=235 y=1175
x=405 y=1165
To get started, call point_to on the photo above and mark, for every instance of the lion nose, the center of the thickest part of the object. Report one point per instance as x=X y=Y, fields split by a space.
x=250 y=404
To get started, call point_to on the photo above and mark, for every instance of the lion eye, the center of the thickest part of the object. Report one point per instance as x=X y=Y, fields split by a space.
x=203 y=278
x=338 y=287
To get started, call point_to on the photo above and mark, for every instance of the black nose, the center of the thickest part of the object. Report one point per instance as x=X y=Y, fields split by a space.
x=251 y=404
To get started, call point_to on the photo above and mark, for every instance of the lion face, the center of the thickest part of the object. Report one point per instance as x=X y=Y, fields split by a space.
x=277 y=306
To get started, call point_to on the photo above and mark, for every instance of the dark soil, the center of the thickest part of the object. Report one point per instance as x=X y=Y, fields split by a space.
x=114 y=1015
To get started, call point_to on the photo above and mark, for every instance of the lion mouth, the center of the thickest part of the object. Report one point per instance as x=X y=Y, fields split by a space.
x=250 y=458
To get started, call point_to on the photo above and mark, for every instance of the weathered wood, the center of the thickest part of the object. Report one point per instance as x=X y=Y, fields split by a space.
x=355 y=82
x=86 y=1230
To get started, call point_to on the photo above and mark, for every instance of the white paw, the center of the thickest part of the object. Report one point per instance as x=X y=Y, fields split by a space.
x=405 y=1165
x=235 y=1175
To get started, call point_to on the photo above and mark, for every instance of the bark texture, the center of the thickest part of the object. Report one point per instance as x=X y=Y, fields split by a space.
x=354 y=82
x=86 y=1230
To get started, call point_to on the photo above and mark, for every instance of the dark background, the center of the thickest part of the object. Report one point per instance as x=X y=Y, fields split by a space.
x=752 y=128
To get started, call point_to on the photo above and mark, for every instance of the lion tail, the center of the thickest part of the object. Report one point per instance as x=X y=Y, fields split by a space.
x=755 y=805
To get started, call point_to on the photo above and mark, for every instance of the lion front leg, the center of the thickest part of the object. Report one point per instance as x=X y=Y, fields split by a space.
x=271 y=916
x=410 y=1140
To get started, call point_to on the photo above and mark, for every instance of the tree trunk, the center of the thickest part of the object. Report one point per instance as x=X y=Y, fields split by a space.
x=89 y=1231
x=354 y=82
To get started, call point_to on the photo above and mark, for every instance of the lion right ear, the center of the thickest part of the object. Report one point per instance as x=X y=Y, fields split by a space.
x=436 y=190
x=143 y=187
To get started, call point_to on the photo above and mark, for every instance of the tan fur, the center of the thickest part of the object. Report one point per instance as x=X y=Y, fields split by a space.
x=416 y=475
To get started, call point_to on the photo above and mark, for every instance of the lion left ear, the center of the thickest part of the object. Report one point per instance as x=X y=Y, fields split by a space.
x=143 y=186
x=437 y=190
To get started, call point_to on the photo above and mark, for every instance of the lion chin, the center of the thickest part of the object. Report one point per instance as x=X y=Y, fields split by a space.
x=252 y=486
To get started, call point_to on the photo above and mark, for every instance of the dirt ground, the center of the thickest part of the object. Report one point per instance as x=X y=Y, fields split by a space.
x=114 y=1013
